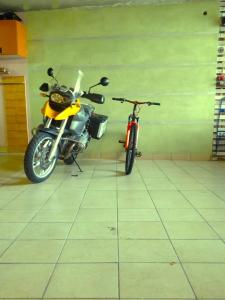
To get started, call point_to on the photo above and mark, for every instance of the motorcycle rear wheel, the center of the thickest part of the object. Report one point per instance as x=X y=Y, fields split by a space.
x=37 y=167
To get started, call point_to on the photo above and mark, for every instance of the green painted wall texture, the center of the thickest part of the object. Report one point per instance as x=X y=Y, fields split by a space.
x=164 y=53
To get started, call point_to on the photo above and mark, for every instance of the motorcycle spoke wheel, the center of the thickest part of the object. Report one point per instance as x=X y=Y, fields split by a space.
x=36 y=164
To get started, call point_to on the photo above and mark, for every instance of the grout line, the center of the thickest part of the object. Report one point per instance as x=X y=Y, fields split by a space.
x=118 y=239
x=115 y=262
x=206 y=221
x=27 y=224
x=65 y=241
x=168 y=234
x=122 y=239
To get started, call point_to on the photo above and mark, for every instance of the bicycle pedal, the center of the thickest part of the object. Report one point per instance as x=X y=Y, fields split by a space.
x=138 y=154
x=121 y=142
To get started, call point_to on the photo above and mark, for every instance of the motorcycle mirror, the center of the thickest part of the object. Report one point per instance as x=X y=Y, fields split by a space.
x=44 y=87
x=104 y=81
x=50 y=72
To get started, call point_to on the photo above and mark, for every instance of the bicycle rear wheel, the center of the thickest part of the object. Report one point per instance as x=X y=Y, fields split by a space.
x=131 y=151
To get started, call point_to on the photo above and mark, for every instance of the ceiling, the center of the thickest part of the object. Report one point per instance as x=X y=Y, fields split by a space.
x=25 y=5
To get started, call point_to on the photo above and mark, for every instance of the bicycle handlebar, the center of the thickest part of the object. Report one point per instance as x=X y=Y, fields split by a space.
x=135 y=102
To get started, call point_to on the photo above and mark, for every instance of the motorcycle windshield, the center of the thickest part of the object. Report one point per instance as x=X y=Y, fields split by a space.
x=70 y=78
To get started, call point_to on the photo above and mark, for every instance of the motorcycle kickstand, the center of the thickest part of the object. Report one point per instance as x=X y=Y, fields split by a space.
x=75 y=161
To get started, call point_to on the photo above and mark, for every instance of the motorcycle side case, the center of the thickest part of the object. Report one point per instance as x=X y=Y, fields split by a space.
x=97 y=126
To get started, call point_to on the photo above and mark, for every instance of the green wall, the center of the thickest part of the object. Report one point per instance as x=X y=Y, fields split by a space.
x=164 y=53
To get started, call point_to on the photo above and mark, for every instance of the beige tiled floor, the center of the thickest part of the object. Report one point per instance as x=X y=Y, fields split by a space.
x=156 y=234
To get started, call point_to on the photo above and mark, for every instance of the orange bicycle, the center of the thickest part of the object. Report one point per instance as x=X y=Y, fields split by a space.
x=131 y=141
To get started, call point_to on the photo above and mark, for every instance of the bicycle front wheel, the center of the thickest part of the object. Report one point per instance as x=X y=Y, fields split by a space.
x=131 y=150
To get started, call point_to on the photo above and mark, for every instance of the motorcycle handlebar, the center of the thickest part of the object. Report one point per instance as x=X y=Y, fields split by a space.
x=97 y=98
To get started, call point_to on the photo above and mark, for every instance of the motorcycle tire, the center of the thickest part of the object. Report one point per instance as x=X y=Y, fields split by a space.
x=36 y=165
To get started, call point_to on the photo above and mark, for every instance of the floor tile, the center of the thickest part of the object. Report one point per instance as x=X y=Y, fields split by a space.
x=134 y=186
x=4 y=202
x=102 y=185
x=146 y=280
x=189 y=230
x=65 y=200
x=63 y=203
x=96 y=215
x=220 y=193
x=42 y=195
x=99 y=199
x=146 y=251
x=4 y=244
x=141 y=230
x=46 y=231
x=89 y=251
x=136 y=199
x=94 y=230
x=88 y=299
x=212 y=214
x=84 y=281
x=24 y=280
x=76 y=184
x=200 y=199
x=181 y=179
x=200 y=251
x=11 y=230
x=211 y=285
x=16 y=215
x=159 y=184
x=219 y=227
x=33 y=251
x=156 y=182
x=8 y=195
x=179 y=214
x=190 y=187
x=138 y=215
x=132 y=179
x=62 y=215
x=62 y=193
x=169 y=199
x=25 y=204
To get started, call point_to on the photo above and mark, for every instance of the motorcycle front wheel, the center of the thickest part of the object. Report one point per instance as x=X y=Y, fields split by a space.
x=37 y=167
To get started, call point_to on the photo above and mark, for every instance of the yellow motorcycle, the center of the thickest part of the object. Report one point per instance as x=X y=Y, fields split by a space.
x=67 y=128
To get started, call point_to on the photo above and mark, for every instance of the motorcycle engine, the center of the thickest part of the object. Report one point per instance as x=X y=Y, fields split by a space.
x=77 y=144
x=83 y=140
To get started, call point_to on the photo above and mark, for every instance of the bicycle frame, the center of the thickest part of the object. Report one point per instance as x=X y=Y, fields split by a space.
x=132 y=121
x=129 y=125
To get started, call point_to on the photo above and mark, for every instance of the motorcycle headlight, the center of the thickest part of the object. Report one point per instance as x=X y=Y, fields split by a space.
x=57 y=98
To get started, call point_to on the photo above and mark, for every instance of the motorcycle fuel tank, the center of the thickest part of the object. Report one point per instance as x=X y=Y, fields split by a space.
x=78 y=123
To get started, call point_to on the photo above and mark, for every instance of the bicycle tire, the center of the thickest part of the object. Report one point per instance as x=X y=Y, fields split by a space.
x=131 y=151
